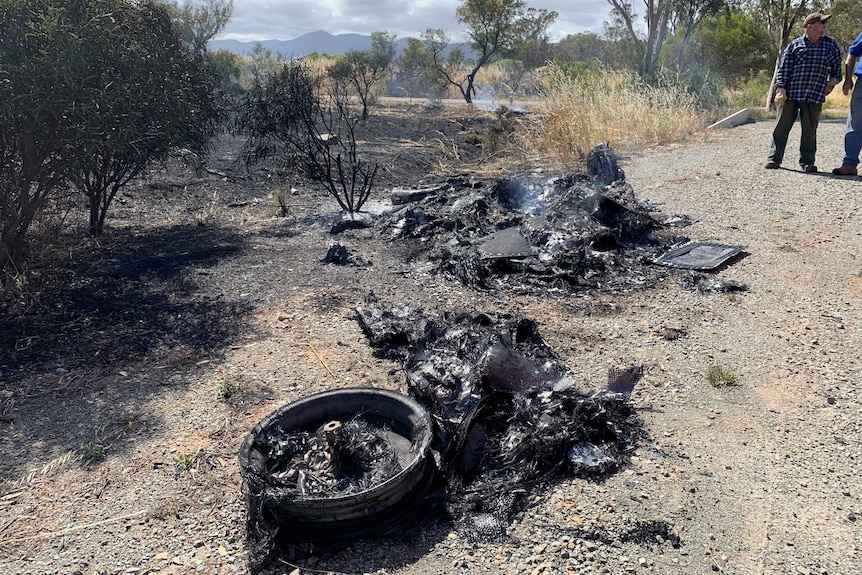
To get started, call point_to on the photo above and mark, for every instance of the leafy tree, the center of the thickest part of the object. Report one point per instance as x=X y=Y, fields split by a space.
x=37 y=98
x=733 y=45
x=415 y=74
x=846 y=21
x=227 y=66
x=144 y=93
x=531 y=50
x=198 y=24
x=658 y=16
x=91 y=91
x=259 y=65
x=624 y=51
x=365 y=70
x=495 y=28
x=688 y=16
x=586 y=52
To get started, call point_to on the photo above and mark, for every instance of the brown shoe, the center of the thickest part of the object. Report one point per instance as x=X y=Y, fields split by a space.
x=772 y=165
x=845 y=171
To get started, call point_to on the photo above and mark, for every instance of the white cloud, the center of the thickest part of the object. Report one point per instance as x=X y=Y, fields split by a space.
x=286 y=19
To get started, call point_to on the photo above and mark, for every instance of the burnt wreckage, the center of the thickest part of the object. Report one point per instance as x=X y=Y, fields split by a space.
x=499 y=420
x=534 y=233
x=506 y=418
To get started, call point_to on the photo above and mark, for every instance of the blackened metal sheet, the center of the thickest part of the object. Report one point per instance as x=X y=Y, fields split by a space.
x=508 y=243
x=698 y=255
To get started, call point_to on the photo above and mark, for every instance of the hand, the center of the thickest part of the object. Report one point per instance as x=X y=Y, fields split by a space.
x=830 y=85
x=848 y=85
x=780 y=97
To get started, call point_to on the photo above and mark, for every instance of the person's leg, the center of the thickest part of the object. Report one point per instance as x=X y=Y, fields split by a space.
x=853 y=132
x=809 y=116
x=786 y=117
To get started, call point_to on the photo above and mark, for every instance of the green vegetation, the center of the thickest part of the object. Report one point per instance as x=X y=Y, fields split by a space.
x=364 y=71
x=91 y=92
x=93 y=453
x=225 y=389
x=718 y=376
x=184 y=462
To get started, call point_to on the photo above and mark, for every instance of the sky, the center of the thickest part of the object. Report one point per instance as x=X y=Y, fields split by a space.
x=255 y=20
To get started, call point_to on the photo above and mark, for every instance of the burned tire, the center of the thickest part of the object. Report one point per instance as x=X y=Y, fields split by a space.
x=289 y=518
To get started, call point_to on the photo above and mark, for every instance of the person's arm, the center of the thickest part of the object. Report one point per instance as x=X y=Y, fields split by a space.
x=784 y=68
x=849 y=67
x=785 y=65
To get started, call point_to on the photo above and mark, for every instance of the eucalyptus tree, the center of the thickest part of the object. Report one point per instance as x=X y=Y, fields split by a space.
x=199 y=23
x=659 y=17
x=36 y=128
x=496 y=29
x=365 y=70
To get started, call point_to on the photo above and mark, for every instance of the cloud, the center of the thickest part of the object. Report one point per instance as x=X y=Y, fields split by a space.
x=287 y=19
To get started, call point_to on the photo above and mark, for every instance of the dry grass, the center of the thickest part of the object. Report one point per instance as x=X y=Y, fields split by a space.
x=837 y=104
x=616 y=107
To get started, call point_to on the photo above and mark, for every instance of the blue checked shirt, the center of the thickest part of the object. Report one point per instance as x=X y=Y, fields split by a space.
x=806 y=67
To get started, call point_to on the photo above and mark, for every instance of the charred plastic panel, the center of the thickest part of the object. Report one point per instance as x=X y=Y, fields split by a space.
x=699 y=255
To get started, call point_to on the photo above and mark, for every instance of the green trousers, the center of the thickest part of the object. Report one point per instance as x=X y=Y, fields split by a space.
x=809 y=116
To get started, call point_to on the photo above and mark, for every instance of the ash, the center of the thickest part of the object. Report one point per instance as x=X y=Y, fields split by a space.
x=509 y=420
x=335 y=460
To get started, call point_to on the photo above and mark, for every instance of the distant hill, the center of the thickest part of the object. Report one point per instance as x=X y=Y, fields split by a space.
x=320 y=42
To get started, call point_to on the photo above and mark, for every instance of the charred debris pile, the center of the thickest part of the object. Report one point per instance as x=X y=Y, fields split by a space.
x=508 y=419
x=536 y=233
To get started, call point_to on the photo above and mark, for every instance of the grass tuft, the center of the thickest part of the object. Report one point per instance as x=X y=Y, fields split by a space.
x=93 y=453
x=225 y=389
x=718 y=376
x=184 y=462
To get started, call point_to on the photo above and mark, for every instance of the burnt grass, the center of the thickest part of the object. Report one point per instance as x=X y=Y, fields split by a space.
x=156 y=281
x=122 y=300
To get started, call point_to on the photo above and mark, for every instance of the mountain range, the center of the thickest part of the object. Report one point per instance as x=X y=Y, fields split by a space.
x=320 y=42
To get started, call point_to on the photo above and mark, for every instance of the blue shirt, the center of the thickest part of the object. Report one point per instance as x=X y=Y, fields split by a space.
x=806 y=67
x=855 y=49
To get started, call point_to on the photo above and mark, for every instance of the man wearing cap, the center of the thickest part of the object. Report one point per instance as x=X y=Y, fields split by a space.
x=810 y=68
x=853 y=132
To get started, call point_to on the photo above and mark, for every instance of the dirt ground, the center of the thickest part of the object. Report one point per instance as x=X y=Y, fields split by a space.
x=131 y=372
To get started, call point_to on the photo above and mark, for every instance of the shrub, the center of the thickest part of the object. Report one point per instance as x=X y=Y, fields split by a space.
x=91 y=91
x=718 y=376
x=290 y=116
